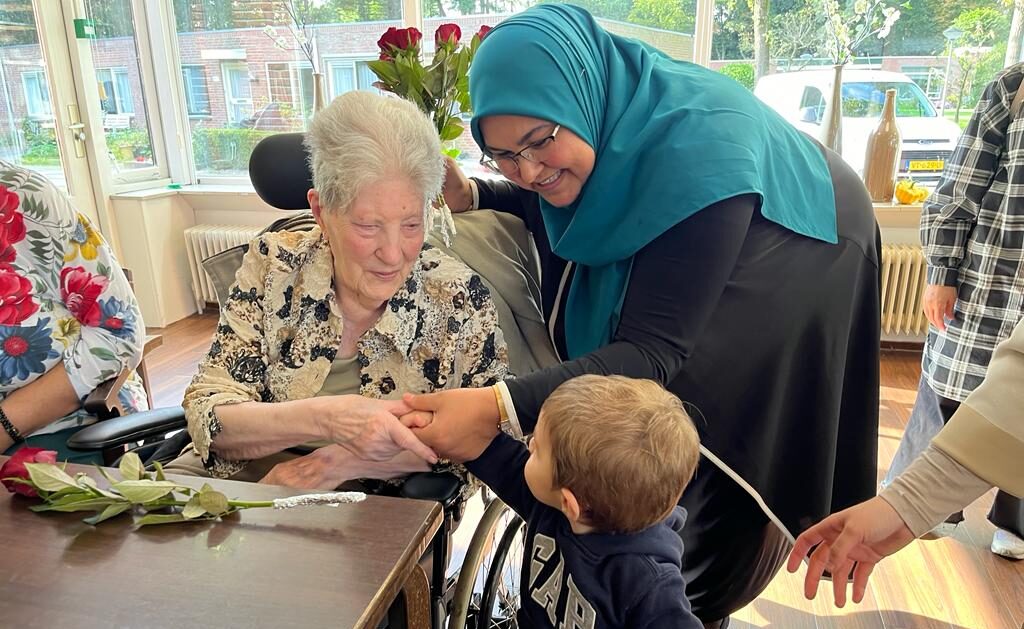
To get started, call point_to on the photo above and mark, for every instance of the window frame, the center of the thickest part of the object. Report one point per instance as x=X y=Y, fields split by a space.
x=42 y=94
x=229 y=100
x=188 y=83
x=119 y=100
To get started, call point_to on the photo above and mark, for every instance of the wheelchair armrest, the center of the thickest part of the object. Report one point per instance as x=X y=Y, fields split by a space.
x=444 y=488
x=119 y=431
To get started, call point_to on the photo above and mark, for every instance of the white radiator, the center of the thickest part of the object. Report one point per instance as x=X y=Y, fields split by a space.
x=903 y=283
x=203 y=241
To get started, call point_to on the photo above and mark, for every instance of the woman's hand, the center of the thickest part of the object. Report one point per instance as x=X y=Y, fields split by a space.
x=456 y=190
x=854 y=539
x=938 y=304
x=321 y=469
x=366 y=427
x=465 y=421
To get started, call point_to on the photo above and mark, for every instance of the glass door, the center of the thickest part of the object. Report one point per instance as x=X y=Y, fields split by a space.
x=41 y=125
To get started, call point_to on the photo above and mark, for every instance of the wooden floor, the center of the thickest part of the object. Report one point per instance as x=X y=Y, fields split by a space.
x=949 y=583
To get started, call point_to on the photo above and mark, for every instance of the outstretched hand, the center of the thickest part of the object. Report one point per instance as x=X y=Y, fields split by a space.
x=853 y=540
x=464 y=421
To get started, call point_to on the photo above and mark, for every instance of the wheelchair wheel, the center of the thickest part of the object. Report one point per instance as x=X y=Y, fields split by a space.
x=469 y=585
x=500 y=600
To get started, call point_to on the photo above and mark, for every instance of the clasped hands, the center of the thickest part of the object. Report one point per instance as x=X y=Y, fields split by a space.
x=387 y=438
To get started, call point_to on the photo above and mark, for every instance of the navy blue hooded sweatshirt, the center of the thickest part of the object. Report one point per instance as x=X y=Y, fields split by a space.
x=597 y=580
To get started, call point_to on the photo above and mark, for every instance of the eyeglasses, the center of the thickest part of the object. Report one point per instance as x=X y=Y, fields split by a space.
x=509 y=164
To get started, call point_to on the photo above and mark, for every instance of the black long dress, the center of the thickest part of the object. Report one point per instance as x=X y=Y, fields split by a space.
x=772 y=339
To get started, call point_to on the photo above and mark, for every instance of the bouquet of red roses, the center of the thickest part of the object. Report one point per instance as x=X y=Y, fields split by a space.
x=440 y=88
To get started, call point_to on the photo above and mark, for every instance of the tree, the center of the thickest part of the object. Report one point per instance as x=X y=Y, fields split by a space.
x=981 y=28
x=670 y=15
x=1013 y=41
x=795 y=33
x=733 y=25
x=759 y=11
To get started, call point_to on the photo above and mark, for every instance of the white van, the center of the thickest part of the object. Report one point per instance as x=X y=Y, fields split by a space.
x=928 y=138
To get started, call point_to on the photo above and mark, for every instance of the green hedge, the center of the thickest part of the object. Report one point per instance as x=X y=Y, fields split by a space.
x=742 y=73
x=224 y=149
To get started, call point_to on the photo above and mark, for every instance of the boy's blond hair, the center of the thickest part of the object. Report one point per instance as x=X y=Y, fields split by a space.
x=626 y=448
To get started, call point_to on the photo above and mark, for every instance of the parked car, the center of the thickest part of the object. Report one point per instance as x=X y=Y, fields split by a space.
x=928 y=138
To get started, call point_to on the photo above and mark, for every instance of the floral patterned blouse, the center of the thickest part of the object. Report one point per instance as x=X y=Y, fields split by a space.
x=63 y=297
x=280 y=329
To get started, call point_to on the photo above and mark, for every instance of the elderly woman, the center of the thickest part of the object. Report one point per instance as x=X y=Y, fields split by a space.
x=68 y=319
x=323 y=327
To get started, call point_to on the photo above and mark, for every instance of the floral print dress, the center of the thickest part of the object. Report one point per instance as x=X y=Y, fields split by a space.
x=64 y=299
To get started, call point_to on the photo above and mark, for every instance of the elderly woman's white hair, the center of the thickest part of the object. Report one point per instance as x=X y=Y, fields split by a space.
x=361 y=138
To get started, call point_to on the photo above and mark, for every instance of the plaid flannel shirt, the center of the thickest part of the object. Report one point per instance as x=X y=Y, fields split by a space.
x=972 y=231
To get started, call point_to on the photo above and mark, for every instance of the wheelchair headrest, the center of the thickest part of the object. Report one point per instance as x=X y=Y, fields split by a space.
x=279 y=170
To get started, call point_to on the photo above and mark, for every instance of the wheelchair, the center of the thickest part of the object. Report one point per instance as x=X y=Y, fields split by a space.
x=484 y=590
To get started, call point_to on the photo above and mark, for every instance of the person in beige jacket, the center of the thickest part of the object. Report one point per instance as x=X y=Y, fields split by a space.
x=981 y=447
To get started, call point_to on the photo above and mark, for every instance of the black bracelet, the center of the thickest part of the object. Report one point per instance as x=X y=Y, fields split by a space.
x=12 y=432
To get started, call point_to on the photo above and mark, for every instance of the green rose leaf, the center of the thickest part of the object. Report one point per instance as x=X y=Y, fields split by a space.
x=90 y=504
x=212 y=501
x=49 y=477
x=131 y=467
x=193 y=508
x=88 y=482
x=109 y=512
x=143 y=491
x=160 y=518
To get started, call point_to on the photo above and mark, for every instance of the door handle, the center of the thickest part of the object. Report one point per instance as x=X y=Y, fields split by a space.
x=77 y=128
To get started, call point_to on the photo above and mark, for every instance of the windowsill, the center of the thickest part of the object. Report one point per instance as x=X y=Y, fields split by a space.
x=197 y=189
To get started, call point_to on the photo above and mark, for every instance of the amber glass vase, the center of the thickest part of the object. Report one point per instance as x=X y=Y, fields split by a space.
x=883 y=153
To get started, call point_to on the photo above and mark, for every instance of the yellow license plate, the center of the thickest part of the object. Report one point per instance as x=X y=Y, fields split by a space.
x=926 y=164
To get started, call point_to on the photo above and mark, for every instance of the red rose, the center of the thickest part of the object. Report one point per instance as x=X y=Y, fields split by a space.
x=80 y=289
x=15 y=468
x=400 y=38
x=12 y=223
x=386 y=57
x=16 y=303
x=483 y=31
x=447 y=34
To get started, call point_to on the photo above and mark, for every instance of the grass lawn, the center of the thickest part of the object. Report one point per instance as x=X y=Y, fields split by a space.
x=965 y=115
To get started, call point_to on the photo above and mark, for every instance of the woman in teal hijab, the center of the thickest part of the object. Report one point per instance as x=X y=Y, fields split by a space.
x=689 y=235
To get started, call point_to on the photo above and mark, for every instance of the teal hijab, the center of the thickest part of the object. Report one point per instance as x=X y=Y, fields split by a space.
x=670 y=139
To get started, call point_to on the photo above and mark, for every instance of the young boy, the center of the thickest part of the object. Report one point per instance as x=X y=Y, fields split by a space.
x=598 y=489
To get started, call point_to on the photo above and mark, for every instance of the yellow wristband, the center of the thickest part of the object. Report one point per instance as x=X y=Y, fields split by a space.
x=502 y=411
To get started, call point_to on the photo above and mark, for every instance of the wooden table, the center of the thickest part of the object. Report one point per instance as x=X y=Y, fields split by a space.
x=304 y=567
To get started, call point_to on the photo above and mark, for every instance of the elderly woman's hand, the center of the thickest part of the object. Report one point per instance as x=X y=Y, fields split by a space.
x=464 y=421
x=366 y=427
x=321 y=469
x=457 y=193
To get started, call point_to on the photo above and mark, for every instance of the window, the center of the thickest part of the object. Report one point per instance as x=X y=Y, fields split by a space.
x=115 y=91
x=928 y=78
x=244 y=77
x=37 y=95
x=133 y=153
x=237 y=92
x=197 y=99
x=866 y=99
x=812 y=105
x=347 y=75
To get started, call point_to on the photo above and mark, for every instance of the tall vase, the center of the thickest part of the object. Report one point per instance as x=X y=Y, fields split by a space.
x=883 y=153
x=318 y=92
x=832 y=119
